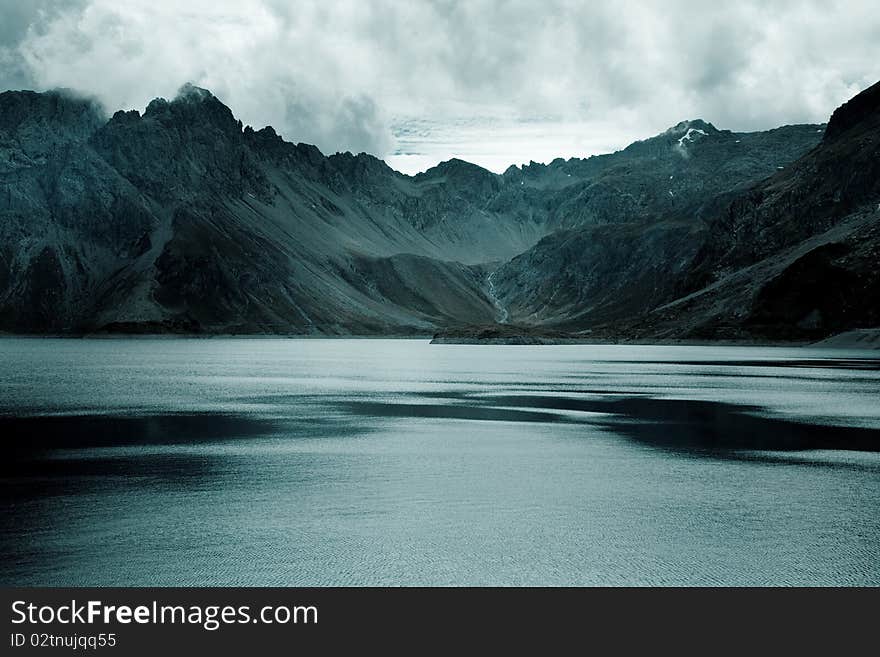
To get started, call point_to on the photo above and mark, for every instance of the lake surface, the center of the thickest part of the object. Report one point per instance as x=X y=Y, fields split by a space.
x=394 y=462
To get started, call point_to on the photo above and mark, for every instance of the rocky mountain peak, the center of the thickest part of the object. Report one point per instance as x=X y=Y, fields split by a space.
x=859 y=109
x=363 y=168
x=194 y=106
x=192 y=145
x=266 y=140
x=457 y=170
x=693 y=124
x=687 y=133
x=192 y=94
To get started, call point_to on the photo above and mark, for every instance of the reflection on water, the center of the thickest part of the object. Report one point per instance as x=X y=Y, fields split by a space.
x=322 y=462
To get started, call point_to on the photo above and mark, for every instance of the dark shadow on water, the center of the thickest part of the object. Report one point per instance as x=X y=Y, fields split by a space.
x=31 y=444
x=25 y=434
x=30 y=436
x=31 y=467
x=700 y=427
x=705 y=425
x=475 y=411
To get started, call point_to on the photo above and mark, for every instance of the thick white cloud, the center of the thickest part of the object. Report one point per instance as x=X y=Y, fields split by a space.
x=494 y=82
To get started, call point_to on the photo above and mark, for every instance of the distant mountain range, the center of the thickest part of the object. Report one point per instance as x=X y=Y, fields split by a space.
x=182 y=220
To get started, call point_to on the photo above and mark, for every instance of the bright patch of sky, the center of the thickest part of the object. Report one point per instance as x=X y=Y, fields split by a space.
x=497 y=144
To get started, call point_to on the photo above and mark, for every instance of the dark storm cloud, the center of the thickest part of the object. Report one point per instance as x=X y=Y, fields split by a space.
x=498 y=80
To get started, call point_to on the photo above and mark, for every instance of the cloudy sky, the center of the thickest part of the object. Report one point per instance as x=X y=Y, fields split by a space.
x=496 y=82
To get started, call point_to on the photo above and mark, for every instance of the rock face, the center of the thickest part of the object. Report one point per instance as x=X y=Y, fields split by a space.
x=181 y=219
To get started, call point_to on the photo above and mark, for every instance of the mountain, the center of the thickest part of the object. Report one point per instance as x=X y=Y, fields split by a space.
x=182 y=219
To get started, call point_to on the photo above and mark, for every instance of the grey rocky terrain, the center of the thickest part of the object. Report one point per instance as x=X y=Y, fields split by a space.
x=180 y=219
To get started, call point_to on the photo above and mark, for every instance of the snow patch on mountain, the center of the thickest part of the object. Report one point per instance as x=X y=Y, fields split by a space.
x=688 y=137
